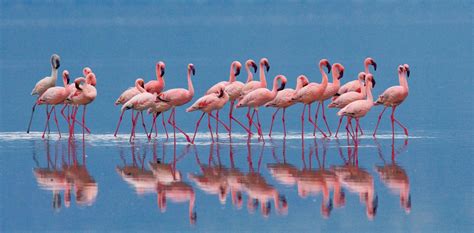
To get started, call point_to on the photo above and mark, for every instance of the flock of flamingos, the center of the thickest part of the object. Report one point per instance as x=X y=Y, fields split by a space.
x=354 y=99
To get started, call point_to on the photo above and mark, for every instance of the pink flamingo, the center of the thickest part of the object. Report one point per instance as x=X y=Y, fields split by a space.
x=235 y=89
x=54 y=96
x=177 y=97
x=261 y=96
x=311 y=93
x=359 y=108
x=235 y=67
x=124 y=98
x=44 y=84
x=252 y=85
x=355 y=84
x=329 y=92
x=284 y=100
x=347 y=98
x=207 y=104
x=83 y=95
x=156 y=86
x=140 y=102
x=158 y=108
x=394 y=96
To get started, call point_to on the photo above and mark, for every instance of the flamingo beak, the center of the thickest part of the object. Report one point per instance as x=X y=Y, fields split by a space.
x=193 y=70
x=77 y=86
x=160 y=99
x=67 y=80
x=221 y=93
x=408 y=72
x=254 y=67
x=55 y=61
x=329 y=67
x=373 y=83
x=237 y=71
x=341 y=73
x=162 y=71
x=282 y=86
x=375 y=65
x=267 y=65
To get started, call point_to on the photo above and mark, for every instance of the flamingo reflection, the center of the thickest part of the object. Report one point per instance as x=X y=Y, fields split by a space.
x=395 y=177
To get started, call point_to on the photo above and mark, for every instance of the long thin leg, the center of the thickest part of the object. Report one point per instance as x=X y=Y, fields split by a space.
x=398 y=122
x=48 y=114
x=378 y=122
x=144 y=126
x=118 y=124
x=249 y=118
x=197 y=126
x=260 y=126
x=64 y=115
x=302 y=121
x=217 y=125
x=392 y=118
x=47 y=109
x=176 y=127
x=219 y=121
x=316 y=117
x=360 y=128
x=164 y=125
x=134 y=121
x=56 y=121
x=283 y=122
x=253 y=122
x=273 y=119
x=31 y=117
x=348 y=129
x=325 y=120
x=357 y=131
x=154 y=125
x=314 y=123
x=209 y=126
x=339 y=125
x=83 y=120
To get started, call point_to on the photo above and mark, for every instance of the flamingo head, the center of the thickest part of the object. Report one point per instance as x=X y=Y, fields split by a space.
x=90 y=79
x=303 y=80
x=55 y=61
x=407 y=69
x=370 y=78
x=325 y=62
x=66 y=76
x=264 y=61
x=340 y=70
x=361 y=76
x=283 y=81
x=191 y=68
x=86 y=71
x=140 y=83
x=370 y=61
x=160 y=66
x=237 y=66
x=252 y=63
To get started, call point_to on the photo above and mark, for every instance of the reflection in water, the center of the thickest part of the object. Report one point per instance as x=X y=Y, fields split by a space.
x=394 y=176
x=70 y=177
x=162 y=178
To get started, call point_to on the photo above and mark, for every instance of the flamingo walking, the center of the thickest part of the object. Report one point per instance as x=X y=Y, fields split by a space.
x=44 y=84
x=283 y=100
x=207 y=104
x=311 y=93
x=329 y=92
x=359 y=108
x=393 y=97
x=348 y=97
x=142 y=101
x=156 y=86
x=253 y=85
x=355 y=84
x=83 y=95
x=177 y=97
x=261 y=96
x=157 y=109
x=54 y=96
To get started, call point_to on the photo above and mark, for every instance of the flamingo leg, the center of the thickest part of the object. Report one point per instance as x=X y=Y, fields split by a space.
x=314 y=123
x=378 y=122
x=325 y=120
x=249 y=119
x=83 y=120
x=31 y=117
x=357 y=131
x=164 y=125
x=82 y=125
x=230 y=113
x=197 y=126
x=283 y=122
x=219 y=120
x=56 y=120
x=48 y=114
x=254 y=123
x=316 y=117
x=118 y=124
x=154 y=125
x=361 y=132
x=259 y=126
x=209 y=126
x=176 y=127
x=392 y=118
x=47 y=109
x=302 y=121
x=339 y=125
x=348 y=130
x=134 y=121
x=64 y=115
x=144 y=126
x=217 y=125
x=398 y=122
x=273 y=119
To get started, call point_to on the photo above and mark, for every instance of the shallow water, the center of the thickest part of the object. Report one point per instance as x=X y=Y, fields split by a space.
x=61 y=185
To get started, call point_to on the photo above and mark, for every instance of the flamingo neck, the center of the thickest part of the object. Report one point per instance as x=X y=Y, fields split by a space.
x=324 y=81
x=159 y=75
x=402 y=78
x=366 y=68
x=54 y=74
x=299 y=85
x=363 y=89
x=368 y=90
x=190 y=83
x=65 y=81
x=232 y=74
x=275 y=87
x=263 y=80
x=249 y=73
x=140 y=88
x=335 y=80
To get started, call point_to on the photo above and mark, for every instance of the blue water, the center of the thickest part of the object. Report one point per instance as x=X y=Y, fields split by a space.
x=122 y=41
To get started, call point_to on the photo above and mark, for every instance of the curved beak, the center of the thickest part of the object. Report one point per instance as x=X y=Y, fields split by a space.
x=408 y=72
x=341 y=74
x=254 y=65
x=237 y=71
x=193 y=70
x=163 y=100
x=221 y=93
x=78 y=86
x=142 y=84
x=375 y=65
x=162 y=71
x=267 y=65
x=67 y=79
x=329 y=67
x=282 y=86
x=373 y=82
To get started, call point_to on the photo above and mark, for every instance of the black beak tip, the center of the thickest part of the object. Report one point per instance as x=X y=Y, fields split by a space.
x=329 y=67
x=282 y=86
x=341 y=74
x=254 y=67
x=373 y=83
x=162 y=71
x=237 y=72
x=375 y=66
x=408 y=73
x=78 y=87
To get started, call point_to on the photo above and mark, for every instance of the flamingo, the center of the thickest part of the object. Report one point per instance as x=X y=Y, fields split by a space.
x=140 y=102
x=156 y=86
x=330 y=91
x=283 y=100
x=261 y=96
x=177 y=97
x=252 y=85
x=348 y=97
x=311 y=93
x=207 y=104
x=359 y=108
x=124 y=98
x=234 y=90
x=54 y=96
x=355 y=84
x=235 y=67
x=159 y=107
x=393 y=97
x=83 y=95
x=44 y=84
